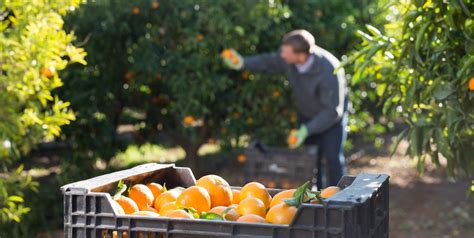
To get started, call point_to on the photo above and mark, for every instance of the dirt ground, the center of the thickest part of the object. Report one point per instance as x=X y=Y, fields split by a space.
x=431 y=206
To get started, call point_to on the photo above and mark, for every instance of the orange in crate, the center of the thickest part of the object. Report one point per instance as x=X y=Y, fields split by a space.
x=195 y=197
x=142 y=196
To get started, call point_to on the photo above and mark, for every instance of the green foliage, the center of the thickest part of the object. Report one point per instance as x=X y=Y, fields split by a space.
x=419 y=65
x=332 y=22
x=33 y=49
x=303 y=194
x=11 y=187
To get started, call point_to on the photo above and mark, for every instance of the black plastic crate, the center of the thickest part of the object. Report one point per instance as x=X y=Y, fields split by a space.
x=358 y=211
x=280 y=165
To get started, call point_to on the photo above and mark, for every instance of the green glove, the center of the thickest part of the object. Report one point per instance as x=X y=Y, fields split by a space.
x=297 y=137
x=232 y=59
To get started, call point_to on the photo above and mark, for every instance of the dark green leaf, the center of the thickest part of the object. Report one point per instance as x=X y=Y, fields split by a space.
x=298 y=195
x=419 y=39
x=400 y=137
x=464 y=8
x=121 y=188
x=443 y=91
x=191 y=211
x=295 y=202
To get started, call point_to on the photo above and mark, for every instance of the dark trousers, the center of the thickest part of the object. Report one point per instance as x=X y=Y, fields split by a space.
x=331 y=149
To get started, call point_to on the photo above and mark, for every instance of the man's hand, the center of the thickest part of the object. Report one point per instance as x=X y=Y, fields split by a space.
x=297 y=137
x=232 y=59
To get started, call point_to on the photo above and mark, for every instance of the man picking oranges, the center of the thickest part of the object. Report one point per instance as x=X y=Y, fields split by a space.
x=321 y=94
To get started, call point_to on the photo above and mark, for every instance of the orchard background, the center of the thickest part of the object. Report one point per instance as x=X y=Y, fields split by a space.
x=152 y=88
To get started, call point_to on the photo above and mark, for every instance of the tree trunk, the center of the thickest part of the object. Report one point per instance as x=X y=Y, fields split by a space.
x=193 y=158
x=191 y=146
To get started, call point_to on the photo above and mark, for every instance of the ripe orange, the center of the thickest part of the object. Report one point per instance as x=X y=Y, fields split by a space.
x=188 y=120
x=156 y=189
x=178 y=214
x=315 y=201
x=251 y=218
x=292 y=140
x=293 y=119
x=116 y=207
x=129 y=206
x=249 y=121
x=166 y=197
x=252 y=205
x=142 y=195
x=281 y=196
x=199 y=37
x=235 y=60
x=135 y=10
x=155 y=5
x=237 y=114
x=227 y=53
x=271 y=184
x=231 y=215
x=115 y=234
x=146 y=213
x=48 y=71
x=235 y=196
x=256 y=190
x=245 y=75
x=129 y=75
x=218 y=189
x=168 y=207
x=471 y=84
x=195 y=197
x=276 y=93
x=125 y=235
x=150 y=209
x=330 y=191
x=286 y=184
x=281 y=214
x=241 y=158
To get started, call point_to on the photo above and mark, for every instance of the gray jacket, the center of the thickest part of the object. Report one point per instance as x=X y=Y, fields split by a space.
x=319 y=93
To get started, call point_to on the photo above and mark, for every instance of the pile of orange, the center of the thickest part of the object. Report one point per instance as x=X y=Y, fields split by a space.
x=212 y=197
x=229 y=54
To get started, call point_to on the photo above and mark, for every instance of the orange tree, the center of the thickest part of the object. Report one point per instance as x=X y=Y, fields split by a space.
x=421 y=63
x=33 y=48
x=156 y=65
